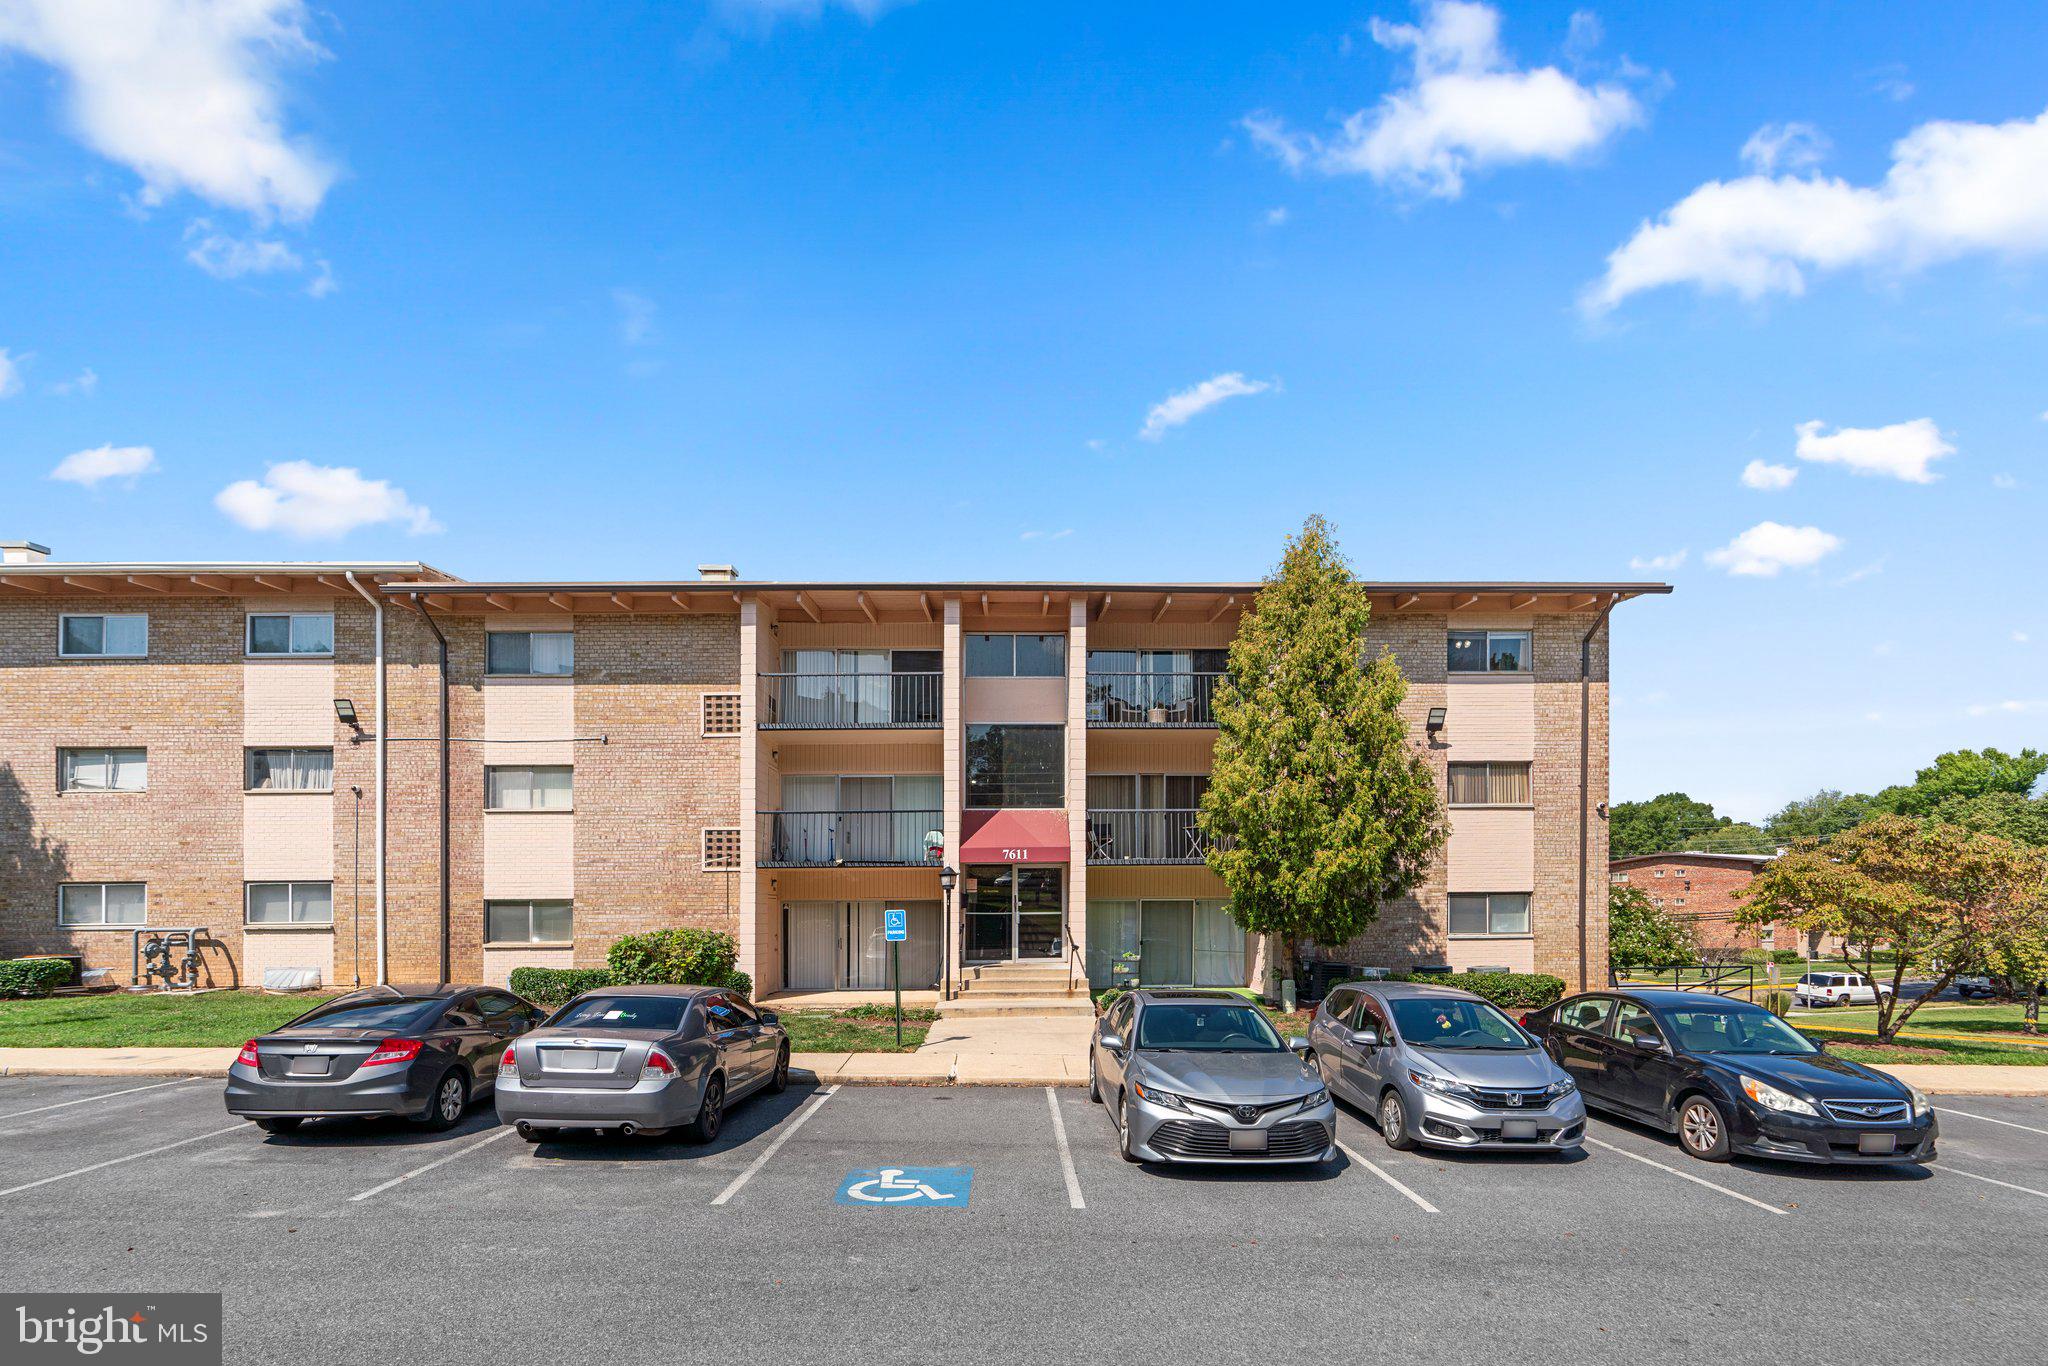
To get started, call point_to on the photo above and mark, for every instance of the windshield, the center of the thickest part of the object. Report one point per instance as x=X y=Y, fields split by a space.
x=623 y=1012
x=1426 y=1022
x=1724 y=1027
x=1208 y=1027
x=409 y=1013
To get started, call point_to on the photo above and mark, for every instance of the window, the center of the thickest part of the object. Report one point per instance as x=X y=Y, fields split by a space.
x=87 y=904
x=1489 y=652
x=102 y=770
x=546 y=654
x=721 y=848
x=721 y=713
x=1016 y=656
x=1490 y=784
x=1588 y=1013
x=1016 y=766
x=537 y=788
x=112 y=636
x=1490 y=913
x=528 y=922
x=289 y=770
x=290 y=903
x=291 y=633
x=1633 y=1023
x=1678 y=872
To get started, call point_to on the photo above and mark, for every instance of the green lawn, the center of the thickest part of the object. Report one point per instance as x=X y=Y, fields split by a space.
x=1915 y=1049
x=856 y=1029
x=216 y=1019
x=1939 y=1018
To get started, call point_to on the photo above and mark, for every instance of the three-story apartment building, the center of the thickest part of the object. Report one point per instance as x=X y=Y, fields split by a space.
x=378 y=771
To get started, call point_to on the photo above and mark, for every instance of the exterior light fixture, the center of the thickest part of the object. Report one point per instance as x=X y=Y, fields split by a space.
x=948 y=879
x=346 y=710
x=1436 y=720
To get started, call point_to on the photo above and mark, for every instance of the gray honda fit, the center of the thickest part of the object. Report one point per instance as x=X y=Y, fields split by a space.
x=1443 y=1068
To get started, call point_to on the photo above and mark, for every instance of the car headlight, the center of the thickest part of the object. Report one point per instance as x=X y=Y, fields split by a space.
x=1923 y=1104
x=1430 y=1081
x=1563 y=1086
x=1315 y=1098
x=1771 y=1098
x=1158 y=1097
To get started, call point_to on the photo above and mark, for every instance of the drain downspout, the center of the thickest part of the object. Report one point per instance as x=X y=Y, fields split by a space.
x=377 y=617
x=442 y=642
x=1586 y=772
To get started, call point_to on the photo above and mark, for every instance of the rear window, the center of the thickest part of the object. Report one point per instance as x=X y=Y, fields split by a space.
x=411 y=1012
x=623 y=1012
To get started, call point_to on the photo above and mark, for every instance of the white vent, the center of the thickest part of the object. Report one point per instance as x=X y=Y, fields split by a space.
x=23 y=552
x=718 y=573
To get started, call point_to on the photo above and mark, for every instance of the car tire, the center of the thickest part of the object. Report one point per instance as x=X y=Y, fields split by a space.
x=1703 y=1130
x=1123 y=1131
x=710 y=1115
x=778 y=1081
x=1094 y=1086
x=451 y=1099
x=282 y=1124
x=1394 y=1122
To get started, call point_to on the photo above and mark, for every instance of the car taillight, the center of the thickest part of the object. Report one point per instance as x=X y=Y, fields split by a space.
x=508 y=1062
x=657 y=1066
x=247 y=1057
x=393 y=1051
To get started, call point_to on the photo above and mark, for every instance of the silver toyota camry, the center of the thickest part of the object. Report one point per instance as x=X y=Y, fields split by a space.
x=1202 y=1076
x=641 y=1060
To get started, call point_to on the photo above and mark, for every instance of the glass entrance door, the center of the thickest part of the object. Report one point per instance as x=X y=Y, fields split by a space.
x=1014 y=912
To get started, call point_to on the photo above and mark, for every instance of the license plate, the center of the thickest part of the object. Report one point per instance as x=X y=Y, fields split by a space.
x=1247 y=1140
x=1877 y=1143
x=308 y=1067
x=1518 y=1128
x=566 y=1060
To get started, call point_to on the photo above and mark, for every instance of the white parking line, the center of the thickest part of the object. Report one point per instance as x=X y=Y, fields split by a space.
x=442 y=1161
x=1059 y=1138
x=1685 y=1176
x=1951 y=1110
x=1957 y=1171
x=87 y=1100
x=816 y=1105
x=1387 y=1177
x=117 y=1161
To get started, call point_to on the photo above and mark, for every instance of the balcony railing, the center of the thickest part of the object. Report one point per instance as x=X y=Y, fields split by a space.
x=1151 y=699
x=830 y=839
x=849 y=701
x=1172 y=835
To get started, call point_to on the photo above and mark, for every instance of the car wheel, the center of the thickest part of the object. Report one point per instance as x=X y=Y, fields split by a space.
x=710 y=1115
x=451 y=1098
x=1123 y=1131
x=283 y=1124
x=1702 y=1132
x=1394 y=1123
x=779 y=1082
x=1094 y=1086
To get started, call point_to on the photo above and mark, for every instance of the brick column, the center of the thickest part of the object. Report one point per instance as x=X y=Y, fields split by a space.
x=753 y=627
x=1077 y=783
x=952 y=767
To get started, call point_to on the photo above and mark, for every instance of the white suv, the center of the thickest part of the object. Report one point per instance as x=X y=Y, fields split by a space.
x=1837 y=989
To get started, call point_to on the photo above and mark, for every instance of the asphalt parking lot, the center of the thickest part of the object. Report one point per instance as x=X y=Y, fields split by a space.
x=373 y=1242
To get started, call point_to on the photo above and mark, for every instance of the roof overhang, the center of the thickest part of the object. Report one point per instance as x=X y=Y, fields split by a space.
x=196 y=580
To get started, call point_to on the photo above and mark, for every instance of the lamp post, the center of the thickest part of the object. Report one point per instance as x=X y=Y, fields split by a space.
x=947 y=878
x=356 y=934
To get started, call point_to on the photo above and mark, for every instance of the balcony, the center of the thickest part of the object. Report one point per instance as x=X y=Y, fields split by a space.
x=908 y=701
x=1150 y=836
x=846 y=839
x=1154 y=700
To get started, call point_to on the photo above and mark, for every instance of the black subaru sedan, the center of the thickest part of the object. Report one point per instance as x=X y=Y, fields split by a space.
x=1730 y=1077
x=423 y=1052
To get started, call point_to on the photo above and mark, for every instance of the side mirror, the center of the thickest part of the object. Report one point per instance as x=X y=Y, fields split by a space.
x=1112 y=1043
x=1366 y=1038
x=770 y=1017
x=1649 y=1041
x=1297 y=1044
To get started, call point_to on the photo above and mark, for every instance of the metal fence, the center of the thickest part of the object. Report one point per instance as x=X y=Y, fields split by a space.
x=848 y=701
x=823 y=839
x=1170 y=835
x=1151 y=699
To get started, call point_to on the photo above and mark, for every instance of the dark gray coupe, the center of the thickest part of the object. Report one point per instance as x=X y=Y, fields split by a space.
x=641 y=1060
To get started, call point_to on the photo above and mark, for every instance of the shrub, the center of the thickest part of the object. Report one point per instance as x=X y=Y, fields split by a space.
x=33 y=976
x=1508 y=990
x=679 y=957
x=1757 y=958
x=553 y=986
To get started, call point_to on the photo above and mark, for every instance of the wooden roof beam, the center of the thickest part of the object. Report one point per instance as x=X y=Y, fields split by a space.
x=1469 y=600
x=440 y=600
x=1406 y=601
x=499 y=601
x=867 y=607
x=274 y=585
x=26 y=585
x=1581 y=604
x=984 y=604
x=924 y=600
x=154 y=583
x=1525 y=600
x=215 y=582
x=809 y=610
x=563 y=601
x=1165 y=602
x=73 y=581
x=1103 y=610
x=622 y=601
x=1216 y=612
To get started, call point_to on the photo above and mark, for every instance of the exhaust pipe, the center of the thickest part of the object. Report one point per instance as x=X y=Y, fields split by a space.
x=628 y=1130
x=525 y=1129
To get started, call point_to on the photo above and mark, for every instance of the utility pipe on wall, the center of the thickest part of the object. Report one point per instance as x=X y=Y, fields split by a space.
x=377 y=651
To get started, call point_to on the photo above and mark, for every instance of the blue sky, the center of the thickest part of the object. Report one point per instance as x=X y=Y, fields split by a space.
x=838 y=289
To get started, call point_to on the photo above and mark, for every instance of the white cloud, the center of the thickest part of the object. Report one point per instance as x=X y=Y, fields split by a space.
x=1902 y=451
x=759 y=14
x=1466 y=108
x=2012 y=706
x=226 y=257
x=636 y=317
x=1793 y=146
x=1768 y=547
x=1060 y=535
x=86 y=381
x=2004 y=481
x=1861 y=573
x=1276 y=217
x=1884 y=648
x=308 y=500
x=2019 y=637
x=1762 y=474
x=1176 y=409
x=1954 y=189
x=93 y=467
x=10 y=374
x=1658 y=563
x=185 y=93
x=1891 y=82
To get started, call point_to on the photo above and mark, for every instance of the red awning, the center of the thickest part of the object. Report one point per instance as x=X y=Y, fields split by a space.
x=1014 y=837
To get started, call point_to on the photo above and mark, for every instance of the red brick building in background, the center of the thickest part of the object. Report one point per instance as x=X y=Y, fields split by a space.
x=1706 y=889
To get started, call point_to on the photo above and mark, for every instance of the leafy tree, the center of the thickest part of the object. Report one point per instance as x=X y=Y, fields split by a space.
x=1675 y=821
x=1640 y=933
x=1964 y=773
x=1320 y=807
x=2017 y=947
x=1929 y=896
x=2008 y=815
x=1826 y=812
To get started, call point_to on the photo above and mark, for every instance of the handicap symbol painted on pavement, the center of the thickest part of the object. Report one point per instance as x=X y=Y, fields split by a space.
x=944 y=1187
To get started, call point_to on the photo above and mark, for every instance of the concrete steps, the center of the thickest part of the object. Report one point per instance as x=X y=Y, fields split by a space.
x=1018 y=981
x=982 y=1006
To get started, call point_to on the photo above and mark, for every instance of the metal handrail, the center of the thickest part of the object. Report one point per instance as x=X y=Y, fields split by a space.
x=1146 y=835
x=836 y=701
x=823 y=839
x=1713 y=978
x=1151 y=699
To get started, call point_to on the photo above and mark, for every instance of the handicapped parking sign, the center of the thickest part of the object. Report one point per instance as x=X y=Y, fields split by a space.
x=896 y=925
x=940 y=1187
